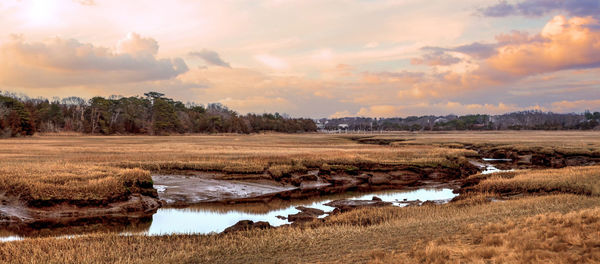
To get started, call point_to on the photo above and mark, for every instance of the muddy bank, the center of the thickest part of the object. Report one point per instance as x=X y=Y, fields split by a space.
x=15 y=214
x=181 y=190
x=530 y=158
x=535 y=159
x=79 y=226
x=206 y=218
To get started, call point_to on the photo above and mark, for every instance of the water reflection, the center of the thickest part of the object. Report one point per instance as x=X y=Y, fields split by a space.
x=199 y=220
x=209 y=218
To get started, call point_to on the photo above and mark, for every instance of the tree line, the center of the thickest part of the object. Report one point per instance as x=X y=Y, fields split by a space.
x=523 y=120
x=152 y=114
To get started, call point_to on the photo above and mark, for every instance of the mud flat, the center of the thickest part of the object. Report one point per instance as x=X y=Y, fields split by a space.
x=184 y=189
x=206 y=218
x=536 y=158
x=205 y=203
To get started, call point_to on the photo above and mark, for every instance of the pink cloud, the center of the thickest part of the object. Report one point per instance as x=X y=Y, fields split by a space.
x=565 y=44
x=68 y=62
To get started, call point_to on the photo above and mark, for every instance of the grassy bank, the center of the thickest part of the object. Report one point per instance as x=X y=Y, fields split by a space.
x=88 y=169
x=345 y=238
x=558 y=218
x=576 y=180
x=50 y=169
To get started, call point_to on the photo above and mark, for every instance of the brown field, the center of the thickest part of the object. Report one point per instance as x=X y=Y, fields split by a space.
x=543 y=216
x=87 y=167
x=348 y=238
x=72 y=167
x=576 y=180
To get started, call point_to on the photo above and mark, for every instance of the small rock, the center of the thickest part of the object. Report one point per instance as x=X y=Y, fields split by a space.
x=281 y=217
x=347 y=205
x=379 y=180
x=437 y=175
x=375 y=198
x=312 y=211
x=364 y=177
x=309 y=177
x=247 y=225
x=297 y=180
x=524 y=160
x=428 y=203
x=412 y=202
x=301 y=217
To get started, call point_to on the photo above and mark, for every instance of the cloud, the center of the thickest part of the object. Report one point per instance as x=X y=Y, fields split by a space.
x=534 y=8
x=272 y=62
x=267 y=104
x=340 y=114
x=437 y=108
x=577 y=106
x=476 y=50
x=372 y=44
x=85 y=2
x=436 y=58
x=210 y=57
x=392 y=77
x=563 y=44
x=379 y=111
x=135 y=45
x=68 y=62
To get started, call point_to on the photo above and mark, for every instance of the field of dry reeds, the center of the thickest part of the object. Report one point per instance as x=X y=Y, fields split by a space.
x=58 y=168
x=525 y=216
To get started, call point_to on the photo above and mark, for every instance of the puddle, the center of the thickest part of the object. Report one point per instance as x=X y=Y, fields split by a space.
x=488 y=159
x=489 y=168
x=206 y=218
x=214 y=218
x=196 y=220
x=10 y=238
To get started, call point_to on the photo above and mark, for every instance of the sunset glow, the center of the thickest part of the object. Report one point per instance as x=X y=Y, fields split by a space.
x=310 y=58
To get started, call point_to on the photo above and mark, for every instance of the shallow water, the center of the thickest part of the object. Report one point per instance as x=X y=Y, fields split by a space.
x=490 y=159
x=489 y=168
x=203 y=221
x=214 y=218
x=10 y=238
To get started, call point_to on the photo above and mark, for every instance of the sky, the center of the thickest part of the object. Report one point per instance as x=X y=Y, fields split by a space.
x=311 y=58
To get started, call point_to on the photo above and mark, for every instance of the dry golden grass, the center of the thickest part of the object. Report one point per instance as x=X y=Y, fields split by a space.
x=577 y=180
x=46 y=168
x=87 y=167
x=46 y=183
x=557 y=227
x=345 y=238
x=545 y=238
x=563 y=142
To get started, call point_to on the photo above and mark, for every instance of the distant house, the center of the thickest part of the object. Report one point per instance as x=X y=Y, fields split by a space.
x=440 y=120
x=342 y=128
x=320 y=125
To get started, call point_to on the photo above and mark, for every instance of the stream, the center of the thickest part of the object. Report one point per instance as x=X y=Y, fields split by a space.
x=206 y=218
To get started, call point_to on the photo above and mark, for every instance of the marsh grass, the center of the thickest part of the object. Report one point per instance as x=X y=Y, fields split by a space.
x=46 y=169
x=576 y=180
x=557 y=227
x=47 y=183
x=346 y=238
x=545 y=238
